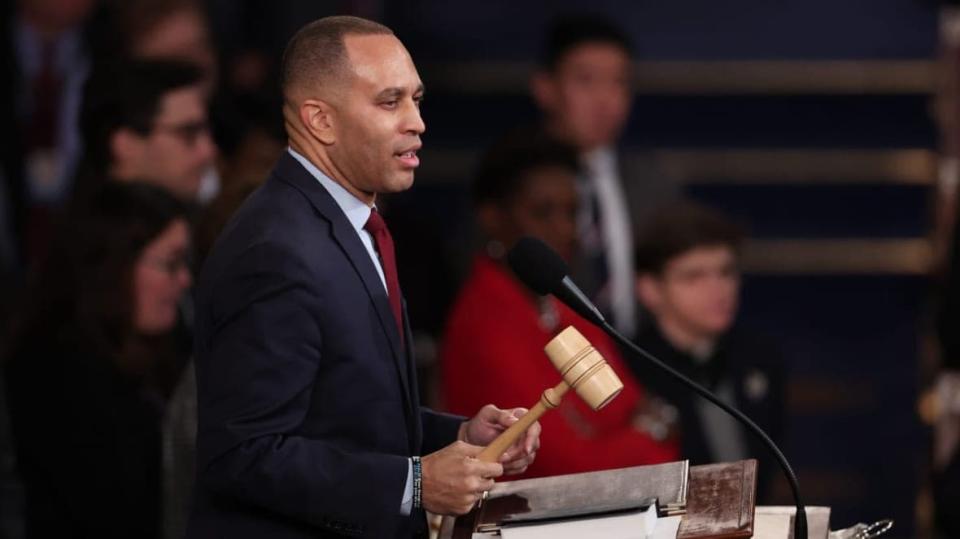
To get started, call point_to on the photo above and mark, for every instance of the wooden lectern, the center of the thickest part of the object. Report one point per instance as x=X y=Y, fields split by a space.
x=718 y=499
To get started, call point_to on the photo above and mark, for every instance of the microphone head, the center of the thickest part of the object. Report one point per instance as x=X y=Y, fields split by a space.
x=538 y=266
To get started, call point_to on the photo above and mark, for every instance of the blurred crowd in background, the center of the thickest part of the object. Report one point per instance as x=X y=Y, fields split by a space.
x=780 y=228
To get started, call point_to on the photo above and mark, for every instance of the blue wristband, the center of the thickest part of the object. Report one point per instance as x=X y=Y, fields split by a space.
x=417 y=485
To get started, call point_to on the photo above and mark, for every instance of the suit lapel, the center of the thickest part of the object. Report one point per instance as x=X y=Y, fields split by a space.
x=290 y=171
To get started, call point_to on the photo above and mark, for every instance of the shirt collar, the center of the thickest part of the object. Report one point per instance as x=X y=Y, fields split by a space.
x=602 y=160
x=356 y=210
x=68 y=50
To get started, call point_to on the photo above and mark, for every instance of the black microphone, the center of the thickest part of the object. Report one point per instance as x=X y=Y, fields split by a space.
x=544 y=272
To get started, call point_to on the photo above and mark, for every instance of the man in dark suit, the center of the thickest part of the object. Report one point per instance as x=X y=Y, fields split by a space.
x=584 y=88
x=45 y=56
x=688 y=278
x=309 y=420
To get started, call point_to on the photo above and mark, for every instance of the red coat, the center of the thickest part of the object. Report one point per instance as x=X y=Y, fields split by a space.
x=493 y=353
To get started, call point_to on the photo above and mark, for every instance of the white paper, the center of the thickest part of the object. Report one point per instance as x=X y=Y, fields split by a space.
x=772 y=526
x=633 y=525
x=667 y=528
x=818 y=519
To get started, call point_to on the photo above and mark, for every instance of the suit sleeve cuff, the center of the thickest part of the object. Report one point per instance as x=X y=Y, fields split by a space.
x=406 y=504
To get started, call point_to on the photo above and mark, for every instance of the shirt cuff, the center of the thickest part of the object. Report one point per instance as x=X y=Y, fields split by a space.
x=406 y=504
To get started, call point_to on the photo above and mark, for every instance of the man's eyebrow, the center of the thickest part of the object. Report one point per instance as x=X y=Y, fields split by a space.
x=397 y=92
x=391 y=93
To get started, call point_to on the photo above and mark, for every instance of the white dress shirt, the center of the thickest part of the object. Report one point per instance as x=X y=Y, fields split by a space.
x=604 y=176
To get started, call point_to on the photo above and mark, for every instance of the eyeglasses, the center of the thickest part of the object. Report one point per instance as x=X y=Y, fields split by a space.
x=172 y=266
x=188 y=132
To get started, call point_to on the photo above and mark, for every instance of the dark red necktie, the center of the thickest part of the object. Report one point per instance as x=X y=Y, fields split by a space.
x=46 y=87
x=384 y=242
x=41 y=137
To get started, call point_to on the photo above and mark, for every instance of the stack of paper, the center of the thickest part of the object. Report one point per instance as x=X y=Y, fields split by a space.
x=630 y=525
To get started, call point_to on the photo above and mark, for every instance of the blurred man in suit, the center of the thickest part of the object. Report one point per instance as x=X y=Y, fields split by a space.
x=45 y=57
x=146 y=120
x=584 y=88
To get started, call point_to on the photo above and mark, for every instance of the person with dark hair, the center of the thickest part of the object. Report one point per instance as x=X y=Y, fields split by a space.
x=249 y=132
x=493 y=345
x=687 y=260
x=567 y=33
x=147 y=120
x=583 y=87
x=167 y=30
x=503 y=176
x=93 y=361
x=309 y=417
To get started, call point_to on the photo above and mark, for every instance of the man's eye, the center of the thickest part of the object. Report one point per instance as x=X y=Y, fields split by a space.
x=389 y=104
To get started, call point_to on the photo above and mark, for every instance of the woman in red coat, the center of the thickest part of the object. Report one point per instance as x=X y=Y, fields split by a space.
x=493 y=347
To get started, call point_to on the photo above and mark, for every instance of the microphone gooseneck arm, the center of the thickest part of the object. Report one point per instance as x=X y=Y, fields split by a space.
x=571 y=296
x=544 y=272
x=800 y=520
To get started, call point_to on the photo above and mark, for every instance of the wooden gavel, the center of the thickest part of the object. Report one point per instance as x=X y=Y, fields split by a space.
x=582 y=368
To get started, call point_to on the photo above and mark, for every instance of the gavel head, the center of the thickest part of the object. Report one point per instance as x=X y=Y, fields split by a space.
x=583 y=368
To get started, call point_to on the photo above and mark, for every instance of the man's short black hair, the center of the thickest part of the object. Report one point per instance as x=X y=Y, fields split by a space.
x=126 y=94
x=678 y=228
x=317 y=52
x=504 y=165
x=570 y=31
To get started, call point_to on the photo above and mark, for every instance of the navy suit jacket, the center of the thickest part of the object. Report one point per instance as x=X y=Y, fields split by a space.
x=307 y=400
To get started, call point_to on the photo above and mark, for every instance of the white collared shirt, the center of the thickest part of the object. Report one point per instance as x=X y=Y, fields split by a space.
x=49 y=174
x=616 y=229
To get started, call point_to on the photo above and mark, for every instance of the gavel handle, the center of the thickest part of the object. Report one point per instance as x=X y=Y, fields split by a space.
x=549 y=400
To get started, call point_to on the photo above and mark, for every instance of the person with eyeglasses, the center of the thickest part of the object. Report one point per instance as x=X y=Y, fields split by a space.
x=94 y=361
x=147 y=120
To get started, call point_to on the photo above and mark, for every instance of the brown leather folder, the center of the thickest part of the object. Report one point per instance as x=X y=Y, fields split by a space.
x=721 y=501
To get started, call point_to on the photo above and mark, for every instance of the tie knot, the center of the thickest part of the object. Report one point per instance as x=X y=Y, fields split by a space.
x=375 y=223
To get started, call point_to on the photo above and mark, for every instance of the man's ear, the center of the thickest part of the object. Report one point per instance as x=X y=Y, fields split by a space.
x=126 y=147
x=648 y=291
x=319 y=119
x=544 y=90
